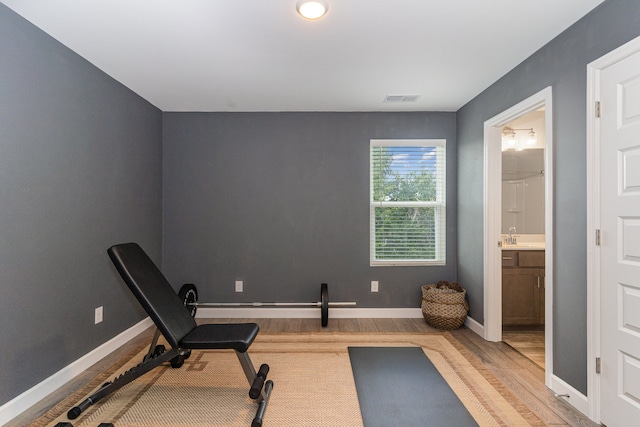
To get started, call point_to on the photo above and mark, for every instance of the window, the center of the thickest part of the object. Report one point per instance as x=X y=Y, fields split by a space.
x=407 y=207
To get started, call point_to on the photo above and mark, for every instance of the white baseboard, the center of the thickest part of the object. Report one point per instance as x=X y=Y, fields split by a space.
x=298 y=313
x=474 y=326
x=570 y=394
x=24 y=401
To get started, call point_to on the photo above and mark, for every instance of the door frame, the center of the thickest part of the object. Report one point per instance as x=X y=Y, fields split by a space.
x=593 y=219
x=493 y=219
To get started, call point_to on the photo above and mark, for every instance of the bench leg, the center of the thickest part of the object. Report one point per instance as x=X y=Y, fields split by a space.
x=265 y=392
x=247 y=366
x=122 y=380
x=262 y=406
x=154 y=342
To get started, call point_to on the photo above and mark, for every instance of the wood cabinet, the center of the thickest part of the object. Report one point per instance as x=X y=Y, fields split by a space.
x=522 y=287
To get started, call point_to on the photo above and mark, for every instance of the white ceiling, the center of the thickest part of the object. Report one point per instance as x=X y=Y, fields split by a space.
x=260 y=55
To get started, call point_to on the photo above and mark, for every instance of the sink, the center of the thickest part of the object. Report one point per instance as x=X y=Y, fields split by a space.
x=525 y=242
x=539 y=246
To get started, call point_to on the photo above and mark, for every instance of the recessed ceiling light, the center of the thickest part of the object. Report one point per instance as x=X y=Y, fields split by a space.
x=312 y=9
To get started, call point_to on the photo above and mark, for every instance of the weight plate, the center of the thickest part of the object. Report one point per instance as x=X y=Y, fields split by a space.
x=324 y=298
x=189 y=294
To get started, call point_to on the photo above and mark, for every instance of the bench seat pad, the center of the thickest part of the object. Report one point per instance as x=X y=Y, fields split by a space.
x=236 y=336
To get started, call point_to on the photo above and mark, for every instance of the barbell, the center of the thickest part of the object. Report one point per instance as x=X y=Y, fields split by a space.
x=189 y=296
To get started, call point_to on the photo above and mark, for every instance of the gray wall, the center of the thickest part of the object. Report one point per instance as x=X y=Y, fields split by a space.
x=562 y=65
x=281 y=201
x=80 y=170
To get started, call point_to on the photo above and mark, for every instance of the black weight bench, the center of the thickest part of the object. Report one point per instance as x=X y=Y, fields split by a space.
x=178 y=327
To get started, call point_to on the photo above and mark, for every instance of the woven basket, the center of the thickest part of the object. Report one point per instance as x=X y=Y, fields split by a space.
x=444 y=305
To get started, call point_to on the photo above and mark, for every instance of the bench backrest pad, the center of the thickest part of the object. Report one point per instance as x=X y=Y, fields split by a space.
x=153 y=291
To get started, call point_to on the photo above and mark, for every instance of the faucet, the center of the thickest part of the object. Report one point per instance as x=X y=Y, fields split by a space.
x=511 y=238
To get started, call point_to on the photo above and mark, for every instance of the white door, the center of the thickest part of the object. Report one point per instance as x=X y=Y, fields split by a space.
x=620 y=242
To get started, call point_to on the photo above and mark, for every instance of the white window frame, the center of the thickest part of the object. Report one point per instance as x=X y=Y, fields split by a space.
x=439 y=204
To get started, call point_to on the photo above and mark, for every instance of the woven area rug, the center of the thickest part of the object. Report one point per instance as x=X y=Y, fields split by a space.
x=314 y=386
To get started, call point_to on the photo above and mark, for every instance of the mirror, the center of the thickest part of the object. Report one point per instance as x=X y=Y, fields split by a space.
x=523 y=191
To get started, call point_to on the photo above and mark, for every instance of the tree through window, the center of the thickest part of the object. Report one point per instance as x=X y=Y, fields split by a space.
x=408 y=215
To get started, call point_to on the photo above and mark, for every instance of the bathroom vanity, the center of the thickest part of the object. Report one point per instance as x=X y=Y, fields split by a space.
x=522 y=285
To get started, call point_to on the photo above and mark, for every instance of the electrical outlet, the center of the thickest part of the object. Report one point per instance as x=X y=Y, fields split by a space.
x=239 y=285
x=374 y=286
x=98 y=315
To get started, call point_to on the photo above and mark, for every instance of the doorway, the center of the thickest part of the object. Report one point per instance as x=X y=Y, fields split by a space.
x=493 y=236
x=523 y=231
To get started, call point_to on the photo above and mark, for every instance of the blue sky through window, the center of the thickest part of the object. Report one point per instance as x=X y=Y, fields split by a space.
x=405 y=160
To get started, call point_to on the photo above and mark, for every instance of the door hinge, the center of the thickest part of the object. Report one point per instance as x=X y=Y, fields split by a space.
x=598 y=366
x=597 y=109
x=597 y=237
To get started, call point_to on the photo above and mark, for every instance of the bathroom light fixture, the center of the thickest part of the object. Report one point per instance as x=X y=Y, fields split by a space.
x=312 y=9
x=509 y=135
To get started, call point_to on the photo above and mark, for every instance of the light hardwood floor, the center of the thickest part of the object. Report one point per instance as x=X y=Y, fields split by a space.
x=529 y=343
x=522 y=376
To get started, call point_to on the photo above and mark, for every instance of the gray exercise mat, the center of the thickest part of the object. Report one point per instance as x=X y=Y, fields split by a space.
x=399 y=386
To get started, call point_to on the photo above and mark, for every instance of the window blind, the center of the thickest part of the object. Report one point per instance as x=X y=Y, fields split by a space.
x=407 y=203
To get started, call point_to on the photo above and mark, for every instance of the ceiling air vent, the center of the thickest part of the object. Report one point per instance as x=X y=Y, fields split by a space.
x=401 y=98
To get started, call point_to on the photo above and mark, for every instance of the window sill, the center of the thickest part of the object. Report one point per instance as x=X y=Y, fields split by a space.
x=399 y=263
